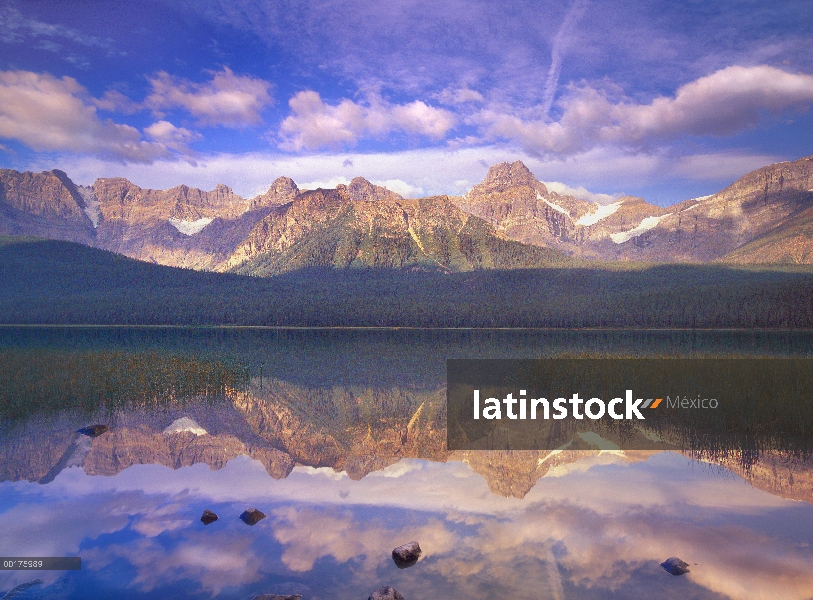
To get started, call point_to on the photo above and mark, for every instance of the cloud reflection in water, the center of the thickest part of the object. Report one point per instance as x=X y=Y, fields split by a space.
x=599 y=529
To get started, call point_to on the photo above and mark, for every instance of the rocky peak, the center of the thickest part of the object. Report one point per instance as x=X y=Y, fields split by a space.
x=282 y=191
x=50 y=194
x=361 y=190
x=505 y=176
x=120 y=199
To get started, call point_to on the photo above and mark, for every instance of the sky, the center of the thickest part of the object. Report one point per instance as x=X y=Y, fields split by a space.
x=659 y=99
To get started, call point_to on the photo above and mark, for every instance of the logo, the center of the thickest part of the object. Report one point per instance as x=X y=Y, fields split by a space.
x=523 y=408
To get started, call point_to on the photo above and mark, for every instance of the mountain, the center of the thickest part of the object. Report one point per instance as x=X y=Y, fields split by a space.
x=522 y=208
x=761 y=218
x=182 y=226
x=509 y=220
x=366 y=225
x=764 y=217
x=46 y=205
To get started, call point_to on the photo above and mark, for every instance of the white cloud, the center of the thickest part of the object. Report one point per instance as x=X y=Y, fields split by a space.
x=561 y=41
x=401 y=187
x=396 y=185
x=580 y=192
x=315 y=124
x=454 y=96
x=115 y=101
x=721 y=165
x=325 y=185
x=607 y=519
x=726 y=102
x=229 y=100
x=47 y=114
x=172 y=137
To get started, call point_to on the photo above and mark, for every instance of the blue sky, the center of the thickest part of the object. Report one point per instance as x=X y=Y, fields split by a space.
x=659 y=99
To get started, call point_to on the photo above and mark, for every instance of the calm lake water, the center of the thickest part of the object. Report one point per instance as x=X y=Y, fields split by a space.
x=338 y=437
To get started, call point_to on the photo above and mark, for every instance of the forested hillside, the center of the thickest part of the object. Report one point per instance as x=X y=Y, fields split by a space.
x=62 y=282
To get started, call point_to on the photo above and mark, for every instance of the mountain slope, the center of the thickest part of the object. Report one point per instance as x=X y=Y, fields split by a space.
x=773 y=201
x=789 y=242
x=45 y=205
x=60 y=282
x=339 y=228
x=523 y=209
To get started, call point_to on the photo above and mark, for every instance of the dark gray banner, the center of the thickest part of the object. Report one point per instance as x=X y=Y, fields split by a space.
x=709 y=405
x=41 y=563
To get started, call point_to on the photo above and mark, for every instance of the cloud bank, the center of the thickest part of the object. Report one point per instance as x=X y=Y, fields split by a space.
x=50 y=114
x=227 y=100
x=726 y=102
x=315 y=124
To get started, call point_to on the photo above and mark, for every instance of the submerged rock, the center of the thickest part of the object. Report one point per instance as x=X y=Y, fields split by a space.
x=386 y=593
x=208 y=517
x=93 y=430
x=252 y=516
x=675 y=566
x=406 y=555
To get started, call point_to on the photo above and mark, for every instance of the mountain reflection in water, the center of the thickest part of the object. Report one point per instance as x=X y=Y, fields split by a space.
x=354 y=464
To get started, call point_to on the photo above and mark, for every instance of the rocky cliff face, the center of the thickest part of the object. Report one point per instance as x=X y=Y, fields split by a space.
x=282 y=191
x=363 y=224
x=165 y=226
x=45 y=205
x=764 y=217
x=522 y=209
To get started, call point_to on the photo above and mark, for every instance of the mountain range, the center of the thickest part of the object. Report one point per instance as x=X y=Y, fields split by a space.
x=509 y=220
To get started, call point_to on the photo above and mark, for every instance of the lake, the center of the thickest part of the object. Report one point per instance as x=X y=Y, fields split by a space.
x=338 y=438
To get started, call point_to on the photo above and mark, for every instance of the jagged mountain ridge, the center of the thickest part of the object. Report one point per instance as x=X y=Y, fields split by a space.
x=522 y=208
x=336 y=228
x=764 y=217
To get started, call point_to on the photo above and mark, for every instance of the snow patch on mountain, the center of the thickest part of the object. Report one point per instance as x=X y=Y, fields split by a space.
x=183 y=425
x=553 y=205
x=189 y=227
x=697 y=201
x=602 y=212
x=91 y=208
x=644 y=226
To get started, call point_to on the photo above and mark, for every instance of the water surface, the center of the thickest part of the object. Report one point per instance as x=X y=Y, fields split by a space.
x=338 y=437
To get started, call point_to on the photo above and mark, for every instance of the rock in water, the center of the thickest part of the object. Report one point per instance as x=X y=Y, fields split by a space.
x=252 y=516
x=675 y=566
x=208 y=517
x=385 y=593
x=406 y=555
x=93 y=430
